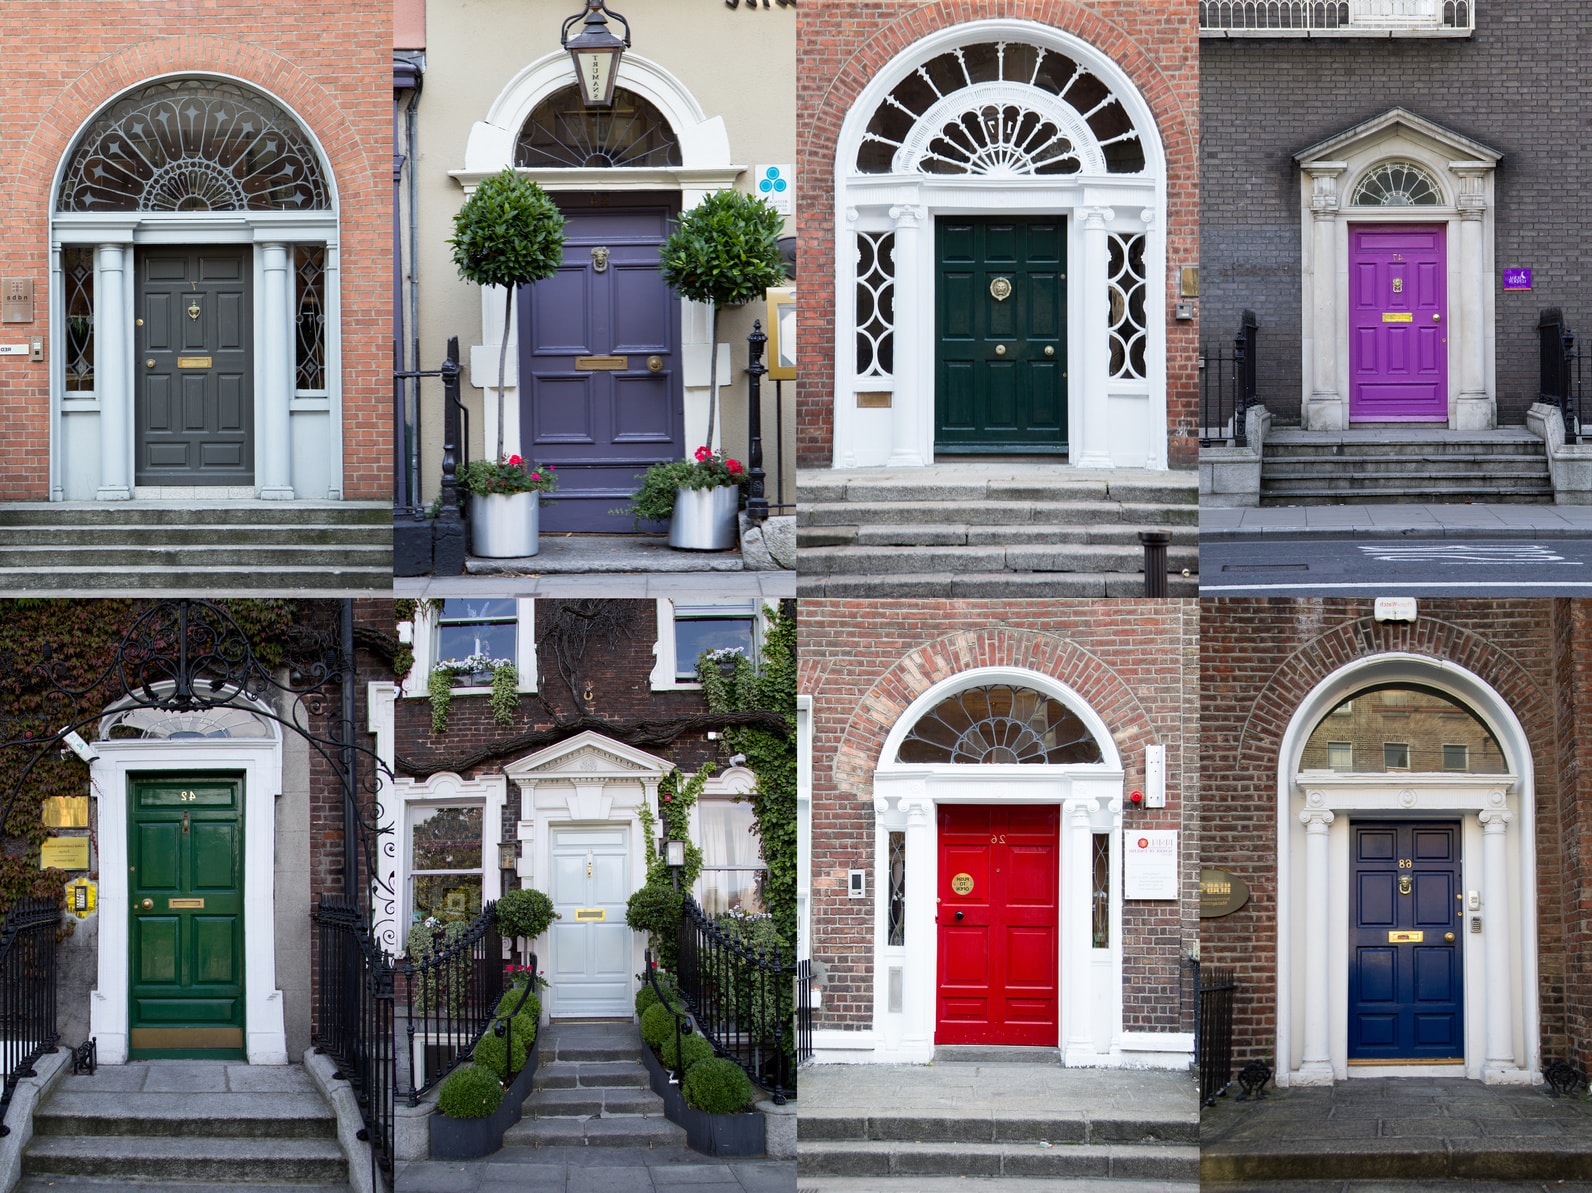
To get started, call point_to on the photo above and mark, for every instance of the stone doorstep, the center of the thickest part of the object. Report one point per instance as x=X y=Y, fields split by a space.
x=48 y=1184
x=198 y=1159
x=876 y=559
x=562 y=1074
x=1060 y=1161
x=1407 y=1158
x=620 y=1131
x=190 y=513
x=997 y=1128
x=999 y=513
x=231 y=1115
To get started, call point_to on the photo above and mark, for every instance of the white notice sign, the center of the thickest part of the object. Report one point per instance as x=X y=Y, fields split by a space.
x=13 y=349
x=1149 y=864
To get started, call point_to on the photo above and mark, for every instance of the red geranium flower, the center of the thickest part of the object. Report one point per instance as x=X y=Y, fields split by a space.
x=536 y=476
x=704 y=453
x=515 y=460
x=733 y=465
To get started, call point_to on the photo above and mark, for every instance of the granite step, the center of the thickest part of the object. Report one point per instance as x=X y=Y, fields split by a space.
x=947 y=561
x=220 y=1162
x=1045 y=1159
x=232 y=1115
x=189 y=513
x=995 y=513
x=563 y=1074
x=988 y=585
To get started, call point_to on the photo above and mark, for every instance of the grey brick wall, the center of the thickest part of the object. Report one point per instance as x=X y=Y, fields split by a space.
x=1519 y=84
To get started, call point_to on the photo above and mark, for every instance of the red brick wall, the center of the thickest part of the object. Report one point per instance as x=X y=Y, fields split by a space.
x=329 y=63
x=864 y=663
x=1258 y=661
x=1572 y=637
x=841 y=45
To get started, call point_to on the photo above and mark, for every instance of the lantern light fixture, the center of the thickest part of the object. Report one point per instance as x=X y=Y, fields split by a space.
x=596 y=53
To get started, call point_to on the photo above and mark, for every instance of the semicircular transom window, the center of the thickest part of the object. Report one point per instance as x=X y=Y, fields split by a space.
x=1001 y=109
x=183 y=724
x=1397 y=184
x=562 y=133
x=1000 y=723
x=1392 y=729
x=194 y=145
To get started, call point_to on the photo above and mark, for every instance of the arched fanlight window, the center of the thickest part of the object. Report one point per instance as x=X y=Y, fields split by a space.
x=1403 y=728
x=231 y=721
x=1397 y=184
x=194 y=145
x=1000 y=723
x=1002 y=109
x=563 y=132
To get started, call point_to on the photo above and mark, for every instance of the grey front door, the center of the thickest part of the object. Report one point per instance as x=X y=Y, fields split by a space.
x=195 y=367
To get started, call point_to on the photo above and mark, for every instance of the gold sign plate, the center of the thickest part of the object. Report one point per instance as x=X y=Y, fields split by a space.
x=962 y=884
x=64 y=853
x=602 y=364
x=590 y=915
x=1406 y=937
x=1397 y=317
x=874 y=400
x=193 y=362
x=185 y=904
x=187 y=1037
x=1221 y=893
x=65 y=811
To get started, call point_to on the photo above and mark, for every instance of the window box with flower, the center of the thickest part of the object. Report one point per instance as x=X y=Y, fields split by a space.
x=474 y=671
x=698 y=498
x=505 y=505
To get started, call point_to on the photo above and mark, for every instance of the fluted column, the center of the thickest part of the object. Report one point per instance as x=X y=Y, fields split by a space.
x=1495 y=937
x=918 y=996
x=273 y=458
x=1316 y=1064
x=912 y=404
x=1077 y=873
x=112 y=386
x=1095 y=450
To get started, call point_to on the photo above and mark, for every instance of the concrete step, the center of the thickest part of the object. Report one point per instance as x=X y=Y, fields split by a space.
x=217 y=1162
x=267 y=558
x=192 y=513
x=584 y=1101
x=211 y=581
x=231 y=1115
x=562 y=1074
x=994 y=513
x=1318 y=495
x=49 y=1184
x=880 y=560
x=1036 y=1159
x=615 y=1131
x=986 y=1127
x=157 y=533
x=1174 y=489
x=1393 y=1161
x=987 y=585
x=920 y=534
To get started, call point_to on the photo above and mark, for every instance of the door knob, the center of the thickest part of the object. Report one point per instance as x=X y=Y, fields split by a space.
x=1448 y=936
x=149 y=364
x=959 y=915
x=146 y=905
x=654 y=364
x=1436 y=318
x=1000 y=349
x=1050 y=350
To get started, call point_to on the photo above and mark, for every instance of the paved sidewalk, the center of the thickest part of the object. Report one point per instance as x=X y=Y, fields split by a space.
x=596 y=1170
x=995 y=1184
x=1384 y=521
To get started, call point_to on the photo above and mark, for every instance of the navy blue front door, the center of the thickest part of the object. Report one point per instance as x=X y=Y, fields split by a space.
x=599 y=342
x=1406 y=1000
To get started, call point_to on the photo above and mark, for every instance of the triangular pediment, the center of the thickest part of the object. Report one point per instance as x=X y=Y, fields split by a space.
x=1397 y=123
x=588 y=755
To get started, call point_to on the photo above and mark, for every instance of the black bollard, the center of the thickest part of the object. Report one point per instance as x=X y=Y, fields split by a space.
x=1155 y=543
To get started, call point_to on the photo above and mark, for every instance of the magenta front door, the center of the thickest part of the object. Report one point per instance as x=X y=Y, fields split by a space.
x=1398 y=324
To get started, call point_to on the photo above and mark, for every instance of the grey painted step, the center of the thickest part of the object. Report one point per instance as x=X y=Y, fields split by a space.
x=172 y=513
x=996 y=585
x=359 y=557
x=231 y=1115
x=238 y=535
x=1060 y=1161
x=994 y=513
x=590 y=1075
x=926 y=1127
x=876 y=560
x=586 y=1101
x=620 y=1131
x=217 y=1161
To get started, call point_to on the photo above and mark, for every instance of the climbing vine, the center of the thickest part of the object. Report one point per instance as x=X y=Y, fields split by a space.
x=655 y=907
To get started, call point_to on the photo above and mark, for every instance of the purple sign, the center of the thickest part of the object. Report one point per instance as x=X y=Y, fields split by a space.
x=1517 y=279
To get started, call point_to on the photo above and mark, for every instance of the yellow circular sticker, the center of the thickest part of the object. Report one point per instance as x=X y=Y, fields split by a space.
x=962 y=883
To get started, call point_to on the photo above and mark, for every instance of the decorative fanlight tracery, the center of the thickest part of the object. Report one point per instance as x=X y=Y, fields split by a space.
x=563 y=132
x=194 y=145
x=1000 y=723
x=1397 y=184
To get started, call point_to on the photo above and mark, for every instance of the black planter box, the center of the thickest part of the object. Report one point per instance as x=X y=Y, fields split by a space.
x=710 y=1134
x=472 y=1138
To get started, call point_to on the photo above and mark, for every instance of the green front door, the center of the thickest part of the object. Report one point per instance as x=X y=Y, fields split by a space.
x=1000 y=364
x=185 y=849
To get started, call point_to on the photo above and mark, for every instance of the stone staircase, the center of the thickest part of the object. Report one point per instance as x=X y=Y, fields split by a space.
x=1383 y=465
x=186 y=1127
x=591 y=1090
x=979 y=530
x=253 y=548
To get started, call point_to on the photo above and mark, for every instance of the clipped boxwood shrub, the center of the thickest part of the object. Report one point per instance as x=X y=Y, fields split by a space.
x=717 y=1086
x=693 y=1051
x=524 y=913
x=656 y=1023
x=492 y=1052
x=469 y=1092
x=511 y=999
x=646 y=998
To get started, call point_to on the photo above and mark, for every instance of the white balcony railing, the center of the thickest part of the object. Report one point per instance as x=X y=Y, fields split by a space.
x=1337 y=18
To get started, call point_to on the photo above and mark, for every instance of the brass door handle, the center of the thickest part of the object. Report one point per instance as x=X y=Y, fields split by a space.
x=149 y=364
x=146 y=905
x=1000 y=349
x=654 y=364
x=1050 y=350
x=1448 y=936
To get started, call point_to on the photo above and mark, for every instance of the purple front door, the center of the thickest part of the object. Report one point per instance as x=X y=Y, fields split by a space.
x=600 y=342
x=1398 y=324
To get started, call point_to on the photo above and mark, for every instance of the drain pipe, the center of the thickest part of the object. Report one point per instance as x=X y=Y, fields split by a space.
x=1155 y=544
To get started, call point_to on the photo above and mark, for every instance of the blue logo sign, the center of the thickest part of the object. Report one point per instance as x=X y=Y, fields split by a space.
x=772 y=183
x=1517 y=279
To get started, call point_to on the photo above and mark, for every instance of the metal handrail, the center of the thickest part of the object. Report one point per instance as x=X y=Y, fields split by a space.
x=27 y=992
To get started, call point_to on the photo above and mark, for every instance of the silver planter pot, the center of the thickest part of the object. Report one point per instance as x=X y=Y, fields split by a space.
x=505 y=525
x=704 y=519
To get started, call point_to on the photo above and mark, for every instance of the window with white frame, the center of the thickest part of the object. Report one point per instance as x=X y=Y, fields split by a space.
x=475 y=631
x=686 y=630
x=732 y=857
x=444 y=855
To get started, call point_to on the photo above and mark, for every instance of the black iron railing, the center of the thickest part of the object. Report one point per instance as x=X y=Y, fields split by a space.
x=450 y=998
x=743 y=1000
x=1213 y=1031
x=1227 y=387
x=27 y=991
x=354 y=1017
x=757 y=503
x=1561 y=370
x=804 y=1011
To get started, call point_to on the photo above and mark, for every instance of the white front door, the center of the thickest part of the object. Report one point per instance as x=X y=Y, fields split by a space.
x=591 y=945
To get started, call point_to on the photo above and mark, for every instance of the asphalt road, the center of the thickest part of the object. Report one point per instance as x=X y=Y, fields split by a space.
x=1360 y=567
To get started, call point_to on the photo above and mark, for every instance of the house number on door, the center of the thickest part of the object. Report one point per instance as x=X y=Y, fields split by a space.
x=998 y=839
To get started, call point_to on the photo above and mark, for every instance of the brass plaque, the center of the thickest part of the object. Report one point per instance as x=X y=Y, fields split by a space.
x=602 y=364
x=64 y=853
x=185 y=904
x=590 y=915
x=193 y=362
x=16 y=300
x=65 y=811
x=1189 y=282
x=874 y=400
x=1406 y=937
x=187 y=1037
x=962 y=884
x=1221 y=893
x=1397 y=317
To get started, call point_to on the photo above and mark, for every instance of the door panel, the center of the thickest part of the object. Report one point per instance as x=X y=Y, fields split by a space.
x=998 y=933
x=1406 y=998
x=186 y=948
x=591 y=962
x=995 y=389
x=1398 y=321
x=602 y=426
x=195 y=368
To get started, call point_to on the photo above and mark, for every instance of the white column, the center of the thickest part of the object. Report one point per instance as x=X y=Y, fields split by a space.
x=273 y=456
x=1474 y=409
x=112 y=386
x=1077 y=972
x=1095 y=450
x=1328 y=408
x=1316 y=1066
x=917 y=995
x=912 y=403
x=1495 y=939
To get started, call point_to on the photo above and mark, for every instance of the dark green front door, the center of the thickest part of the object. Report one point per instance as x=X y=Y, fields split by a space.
x=185 y=849
x=1000 y=366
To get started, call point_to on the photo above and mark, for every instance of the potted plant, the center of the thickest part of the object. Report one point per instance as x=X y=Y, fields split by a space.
x=505 y=504
x=699 y=499
x=472 y=1114
x=476 y=670
x=723 y=252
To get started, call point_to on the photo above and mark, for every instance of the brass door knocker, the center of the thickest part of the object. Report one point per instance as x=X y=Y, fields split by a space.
x=194 y=311
x=1000 y=289
x=599 y=260
x=1404 y=884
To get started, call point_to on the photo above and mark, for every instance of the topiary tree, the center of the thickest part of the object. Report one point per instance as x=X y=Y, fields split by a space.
x=524 y=913
x=693 y=1050
x=470 y=1091
x=509 y=234
x=717 y=1086
x=723 y=252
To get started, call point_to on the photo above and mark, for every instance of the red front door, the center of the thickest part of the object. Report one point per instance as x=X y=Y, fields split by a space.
x=998 y=951
x=1398 y=324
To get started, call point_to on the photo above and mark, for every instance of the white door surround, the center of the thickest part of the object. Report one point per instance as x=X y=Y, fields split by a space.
x=1114 y=420
x=1497 y=815
x=1462 y=171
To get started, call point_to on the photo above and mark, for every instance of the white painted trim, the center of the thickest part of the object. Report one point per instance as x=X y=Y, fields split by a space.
x=1117 y=423
x=424 y=641
x=662 y=677
x=1404 y=796
x=804 y=827
x=444 y=789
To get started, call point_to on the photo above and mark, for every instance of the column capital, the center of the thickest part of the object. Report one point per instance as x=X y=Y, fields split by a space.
x=1316 y=820
x=1081 y=810
x=907 y=215
x=1096 y=218
x=1495 y=820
